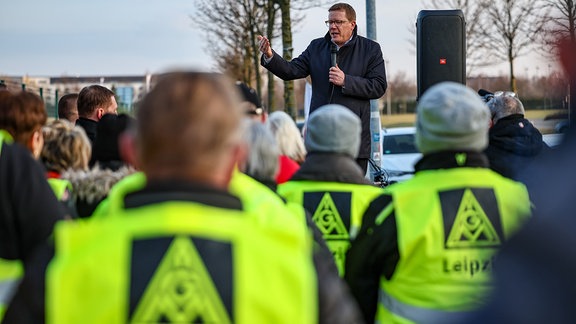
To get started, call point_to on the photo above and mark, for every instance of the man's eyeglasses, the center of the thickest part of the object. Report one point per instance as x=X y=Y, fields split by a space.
x=338 y=23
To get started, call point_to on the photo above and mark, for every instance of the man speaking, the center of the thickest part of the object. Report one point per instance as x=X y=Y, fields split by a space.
x=345 y=69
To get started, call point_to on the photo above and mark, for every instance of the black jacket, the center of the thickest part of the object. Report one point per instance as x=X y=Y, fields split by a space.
x=28 y=207
x=90 y=127
x=362 y=62
x=534 y=279
x=514 y=143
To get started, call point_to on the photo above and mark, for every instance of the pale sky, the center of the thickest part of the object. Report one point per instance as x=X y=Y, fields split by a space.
x=133 y=37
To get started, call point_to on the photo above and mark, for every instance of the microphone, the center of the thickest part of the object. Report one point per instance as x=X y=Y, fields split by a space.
x=333 y=52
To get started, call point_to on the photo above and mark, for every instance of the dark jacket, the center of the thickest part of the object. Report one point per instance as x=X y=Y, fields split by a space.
x=362 y=62
x=534 y=280
x=28 y=207
x=90 y=127
x=514 y=143
x=105 y=150
x=330 y=167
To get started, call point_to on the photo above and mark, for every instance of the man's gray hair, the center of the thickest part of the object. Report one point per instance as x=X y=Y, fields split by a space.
x=504 y=106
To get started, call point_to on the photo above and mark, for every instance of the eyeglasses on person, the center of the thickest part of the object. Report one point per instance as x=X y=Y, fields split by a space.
x=338 y=23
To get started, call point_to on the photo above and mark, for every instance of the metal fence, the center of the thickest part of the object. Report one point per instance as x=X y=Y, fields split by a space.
x=51 y=96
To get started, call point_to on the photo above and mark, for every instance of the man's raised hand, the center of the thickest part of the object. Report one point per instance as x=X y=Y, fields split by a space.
x=265 y=46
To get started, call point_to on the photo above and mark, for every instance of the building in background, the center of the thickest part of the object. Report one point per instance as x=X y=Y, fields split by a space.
x=128 y=89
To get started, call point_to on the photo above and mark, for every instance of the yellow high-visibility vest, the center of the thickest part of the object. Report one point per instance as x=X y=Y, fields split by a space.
x=180 y=262
x=450 y=224
x=336 y=208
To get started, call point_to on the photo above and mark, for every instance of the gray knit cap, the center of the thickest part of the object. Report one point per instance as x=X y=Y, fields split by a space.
x=335 y=129
x=451 y=116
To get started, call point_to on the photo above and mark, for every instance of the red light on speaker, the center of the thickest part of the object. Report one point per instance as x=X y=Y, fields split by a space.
x=442 y=61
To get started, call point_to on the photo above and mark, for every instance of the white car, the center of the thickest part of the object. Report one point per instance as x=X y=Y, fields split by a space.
x=552 y=140
x=399 y=153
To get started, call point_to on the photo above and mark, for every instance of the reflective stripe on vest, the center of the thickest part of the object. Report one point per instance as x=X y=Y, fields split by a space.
x=10 y=274
x=7 y=290
x=418 y=314
x=10 y=270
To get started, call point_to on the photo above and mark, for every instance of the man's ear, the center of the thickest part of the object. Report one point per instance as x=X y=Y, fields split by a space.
x=99 y=113
x=128 y=151
x=36 y=143
x=240 y=157
x=237 y=160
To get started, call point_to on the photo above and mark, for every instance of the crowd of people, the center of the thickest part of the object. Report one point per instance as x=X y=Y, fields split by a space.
x=204 y=208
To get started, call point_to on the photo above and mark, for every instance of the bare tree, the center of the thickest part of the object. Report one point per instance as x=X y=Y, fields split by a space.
x=510 y=29
x=231 y=27
x=474 y=14
x=402 y=87
x=561 y=23
x=287 y=21
x=289 y=103
x=270 y=31
x=561 y=31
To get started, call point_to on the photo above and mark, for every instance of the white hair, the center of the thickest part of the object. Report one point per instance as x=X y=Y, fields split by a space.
x=287 y=136
x=262 y=161
x=504 y=106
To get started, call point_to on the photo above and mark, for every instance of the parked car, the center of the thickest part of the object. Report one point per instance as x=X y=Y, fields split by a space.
x=562 y=126
x=552 y=140
x=399 y=153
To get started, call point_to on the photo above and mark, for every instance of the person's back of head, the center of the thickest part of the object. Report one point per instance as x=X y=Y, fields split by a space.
x=333 y=129
x=287 y=136
x=67 y=108
x=188 y=127
x=451 y=117
x=22 y=114
x=262 y=158
x=65 y=147
x=106 y=150
x=95 y=101
x=504 y=106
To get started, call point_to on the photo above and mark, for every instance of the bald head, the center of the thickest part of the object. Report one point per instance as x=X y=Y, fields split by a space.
x=188 y=125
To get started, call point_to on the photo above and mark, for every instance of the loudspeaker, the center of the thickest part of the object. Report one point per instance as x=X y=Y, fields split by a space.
x=440 y=48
